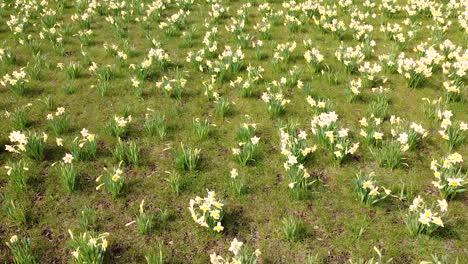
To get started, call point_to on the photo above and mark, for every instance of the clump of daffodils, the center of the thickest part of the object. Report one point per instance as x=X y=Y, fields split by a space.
x=237 y=28
x=389 y=62
x=196 y=59
x=19 y=141
x=389 y=150
x=449 y=177
x=293 y=78
x=340 y=144
x=144 y=220
x=32 y=145
x=350 y=57
x=211 y=87
x=390 y=7
x=367 y=189
x=317 y=105
x=453 y=90
x=436 y=109
x=323 y=124
x=246 y=152
x=295 y=143
x=187 y=158
x=298 y=177
x=232 y=59
x=113 y=180
x=237 y=184
x=156 y=60
x=263 y=27
x=84 y=148
x=456 y=67
x=292 y=22
x=259 y=52
x=452 y=132
x=119 y=125
x=240 y=255
x=58 y=121
x=423 y=218
x=16 y=81
x=414 y=71
x=89 y=247
x=244 y=86
x=218 y=11
x=283 y=52
x=409 y=136
x=254 y=73
x=370 y=130
x=335 y=139
x=172 y=87
x=275 y=99
x=207 y=212
x=72 y=70
x=137 y=86
x=8 y=55
x=394 y=32
x=175 y=23
x=18 y=173
x=361 y=30
x=370 y=73
x=217 y=68
x=314 y=59
x=67 y=172
x=21 y=250
x=355 y=90
x=247 y=129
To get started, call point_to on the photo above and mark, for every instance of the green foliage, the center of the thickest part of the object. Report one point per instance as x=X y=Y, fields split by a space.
x=127 y=152
x=201 y=128
x=35 y=147
x=59 y=124
x=21 y=250
x=87 y=218
x=223 y=106
x=18 y=174
x=145 y=220
x=20 y=119
x=155 y=257
x=187 y=158
x=156 y=125
x=113 y=180
x=246 y=153
x=389 y=155
x=292 y=228
x=174 y=181
x=367 y=190
x=16 y=213
x=68 y=176
x=88 y=247
x=84 y=149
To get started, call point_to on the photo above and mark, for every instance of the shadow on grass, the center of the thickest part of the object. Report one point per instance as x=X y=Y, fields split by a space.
x=233 y=221
x=447 y=232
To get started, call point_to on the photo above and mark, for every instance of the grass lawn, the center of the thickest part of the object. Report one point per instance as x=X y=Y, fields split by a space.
x=128 y=59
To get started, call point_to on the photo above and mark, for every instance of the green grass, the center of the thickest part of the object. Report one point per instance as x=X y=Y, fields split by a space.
x=331 y=214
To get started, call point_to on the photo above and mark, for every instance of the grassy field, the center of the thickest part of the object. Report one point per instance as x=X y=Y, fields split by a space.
x=333 y=225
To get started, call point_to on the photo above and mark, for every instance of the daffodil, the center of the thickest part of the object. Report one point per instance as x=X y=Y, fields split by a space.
x=218 y=228
x=235 y=246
